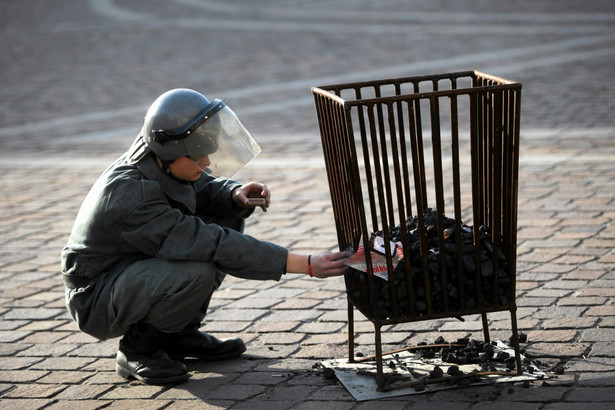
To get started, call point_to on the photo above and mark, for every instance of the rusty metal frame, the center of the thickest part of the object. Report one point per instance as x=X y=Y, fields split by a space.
x=374 y=137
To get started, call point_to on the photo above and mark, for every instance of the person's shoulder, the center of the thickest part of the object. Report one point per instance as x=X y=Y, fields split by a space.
x=128 y=181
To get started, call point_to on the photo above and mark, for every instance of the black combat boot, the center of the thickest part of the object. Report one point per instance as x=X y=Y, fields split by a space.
x=140 y=357
x=192 y=343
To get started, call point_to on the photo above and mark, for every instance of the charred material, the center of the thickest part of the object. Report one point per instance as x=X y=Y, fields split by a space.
x=477 y=264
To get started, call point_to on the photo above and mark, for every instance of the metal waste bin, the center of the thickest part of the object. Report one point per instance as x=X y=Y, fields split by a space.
x=423 y=176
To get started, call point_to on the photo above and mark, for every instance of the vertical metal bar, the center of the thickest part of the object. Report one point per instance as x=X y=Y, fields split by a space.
x=404 y=152
x=385 y=166
x=408 y=270
x=496 y=224
x=419 y=134
x=457 y=197
x=418 y=163
x=366 y=156
x=477 y=183
x=434 y=105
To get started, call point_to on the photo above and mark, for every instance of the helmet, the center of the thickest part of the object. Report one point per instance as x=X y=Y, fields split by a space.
x=183 y=122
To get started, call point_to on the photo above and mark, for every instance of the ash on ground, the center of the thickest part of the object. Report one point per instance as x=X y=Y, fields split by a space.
x=441 y=365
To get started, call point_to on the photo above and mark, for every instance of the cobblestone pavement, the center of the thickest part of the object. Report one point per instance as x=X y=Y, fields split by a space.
x=77 y=78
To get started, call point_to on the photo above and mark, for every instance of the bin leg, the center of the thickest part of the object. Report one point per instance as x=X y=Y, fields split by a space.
x=379 y=367
x=485 y=327
x=515 y=341
x=350 y=332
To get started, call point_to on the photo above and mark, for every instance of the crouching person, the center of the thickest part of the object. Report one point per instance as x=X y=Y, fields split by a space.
x=158 y=232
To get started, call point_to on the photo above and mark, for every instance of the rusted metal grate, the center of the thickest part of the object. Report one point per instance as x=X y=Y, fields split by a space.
x=413 y=160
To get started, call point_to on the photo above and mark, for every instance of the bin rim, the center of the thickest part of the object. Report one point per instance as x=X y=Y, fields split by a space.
x=332 y=89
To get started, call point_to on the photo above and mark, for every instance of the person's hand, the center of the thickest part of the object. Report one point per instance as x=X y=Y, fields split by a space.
x=252 y=195
x=328 y=264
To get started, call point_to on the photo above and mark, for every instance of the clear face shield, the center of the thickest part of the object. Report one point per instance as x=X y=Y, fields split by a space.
x=216 y=141
x=227 y=143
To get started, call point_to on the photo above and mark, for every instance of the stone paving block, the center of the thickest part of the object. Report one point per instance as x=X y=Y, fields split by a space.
x=62 y=363
x=288 y=315
x=593 y=364
x=83 y=392
x=94 y=350
x=598 y=335
x=559 y=350
x=592 y=395
x=8 y=336
x=552 y=335
x=34 y=391
x=20 y=404
x=576 y=406
x=21 y=376
x=42 y=325
x=583 y=301
x=266 y=379
x=321 y=352
x=324 y=405
x=100 y=365
x=225 y=326
x=283 y=392
x=235 y=392
x=65 y=377
x=586 y=274
x=536 y=301
x=320 y=327
x=467 y=394
x=603 y=349
x=17 y=363
x=200 y=405
x=131 y=404
x=558 y=312
x=597 y=379
x=255 y=303
x=271 y=351
x=281 y=338
x=605 y=310
x=81 y=404
x=42 y=350
x=336 y=339
x=32 y=314
x=246 y=315
x=273 y=326
x=503 y=405
x=103 y=377
x=256 y=403
x=567 y=323
x=301 y=304
x=133 y=391
x=536 y=394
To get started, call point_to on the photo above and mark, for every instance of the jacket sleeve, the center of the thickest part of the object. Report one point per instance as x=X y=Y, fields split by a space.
x=214 y=197
x=156 y=229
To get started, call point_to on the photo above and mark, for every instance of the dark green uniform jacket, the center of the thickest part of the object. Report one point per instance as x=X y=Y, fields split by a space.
x=136 y=211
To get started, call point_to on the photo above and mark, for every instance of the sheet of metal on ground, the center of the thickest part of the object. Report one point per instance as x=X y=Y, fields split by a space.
x=412 y=373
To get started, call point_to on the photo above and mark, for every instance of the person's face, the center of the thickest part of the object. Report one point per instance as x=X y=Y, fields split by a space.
x=186 y=169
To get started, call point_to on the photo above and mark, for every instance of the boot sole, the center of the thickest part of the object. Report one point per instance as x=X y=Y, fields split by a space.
x=127 y=374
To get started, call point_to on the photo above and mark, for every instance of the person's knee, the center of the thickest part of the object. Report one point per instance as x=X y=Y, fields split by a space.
x=165 y=294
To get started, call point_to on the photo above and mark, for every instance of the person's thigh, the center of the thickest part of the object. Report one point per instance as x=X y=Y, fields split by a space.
x=167 y=295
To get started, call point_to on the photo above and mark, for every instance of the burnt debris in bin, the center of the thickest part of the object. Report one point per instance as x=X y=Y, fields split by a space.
x=468 y=269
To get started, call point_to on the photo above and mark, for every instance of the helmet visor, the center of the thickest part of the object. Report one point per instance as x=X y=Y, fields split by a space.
x=221 y=146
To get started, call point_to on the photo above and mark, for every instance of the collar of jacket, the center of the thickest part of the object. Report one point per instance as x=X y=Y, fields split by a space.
x=177 y=191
